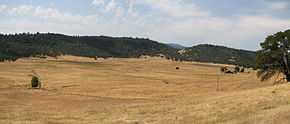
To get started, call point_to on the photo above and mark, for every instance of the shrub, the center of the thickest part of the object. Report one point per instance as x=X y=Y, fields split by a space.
x=237 y=69
x=223 y=69
x=34 y=81
x=242 y=70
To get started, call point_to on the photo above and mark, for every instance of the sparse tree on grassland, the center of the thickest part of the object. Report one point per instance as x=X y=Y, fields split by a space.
x=223 y=69
x=237 y=69
x=242 y=70
x=34 y=81
x=274 y=56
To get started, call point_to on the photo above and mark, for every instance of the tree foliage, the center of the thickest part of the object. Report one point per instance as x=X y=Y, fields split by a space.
x=34 y=81
x=14 y=46
x=220 y=54
x=237 y=69
x=223 y=69
x=242 y=70
x=274 y=56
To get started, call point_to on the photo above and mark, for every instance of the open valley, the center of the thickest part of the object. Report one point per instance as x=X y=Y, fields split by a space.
x=136 y=90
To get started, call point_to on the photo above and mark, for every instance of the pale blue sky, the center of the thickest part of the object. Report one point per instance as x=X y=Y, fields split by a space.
x=241 y=24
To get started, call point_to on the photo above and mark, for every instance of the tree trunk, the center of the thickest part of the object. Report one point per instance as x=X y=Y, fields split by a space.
x=288 y=77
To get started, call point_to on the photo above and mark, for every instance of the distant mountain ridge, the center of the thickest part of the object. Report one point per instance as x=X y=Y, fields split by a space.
x=175 y=45
x=16 y=46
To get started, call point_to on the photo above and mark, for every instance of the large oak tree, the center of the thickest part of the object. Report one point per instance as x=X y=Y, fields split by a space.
x=274 y=56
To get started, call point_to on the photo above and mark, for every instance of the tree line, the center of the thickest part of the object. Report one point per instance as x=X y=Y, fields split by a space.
x=14 y=46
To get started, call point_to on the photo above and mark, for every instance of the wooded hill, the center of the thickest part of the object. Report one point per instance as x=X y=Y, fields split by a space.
x=219 y=54
x=16 y=46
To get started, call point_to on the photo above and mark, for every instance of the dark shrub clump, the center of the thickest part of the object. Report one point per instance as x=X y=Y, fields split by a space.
x=34 y=81
x=242 y=70
x=237 y=69
x=223 y=69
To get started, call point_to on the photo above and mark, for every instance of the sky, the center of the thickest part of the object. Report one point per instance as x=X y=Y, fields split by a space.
x=241 y=24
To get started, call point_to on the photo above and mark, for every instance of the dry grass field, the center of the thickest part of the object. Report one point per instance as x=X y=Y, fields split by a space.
x=151 y=90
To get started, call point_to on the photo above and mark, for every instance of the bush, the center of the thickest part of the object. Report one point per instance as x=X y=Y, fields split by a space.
x=34 y=81
x=223 y=69
x=237 y=69
x=242 y=70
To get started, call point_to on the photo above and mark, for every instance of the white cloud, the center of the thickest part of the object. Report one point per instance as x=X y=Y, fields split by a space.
x=131 y=11
x=250 y=25
x=238 y=32
x=46 y=18
x=115 y=8
x=120 y=11
x=24 y=25
x=278 y=5
x=111 y=6
x=48 y=13
x=261 y=21
x=200 y=26
x=247 y=26
x=54 y=14
x=22 y=10
x=175 y=8
x=2 y=7
x=98 y=2
x=182 y=22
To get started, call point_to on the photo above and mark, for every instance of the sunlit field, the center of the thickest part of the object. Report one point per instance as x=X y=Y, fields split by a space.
x=137 y=90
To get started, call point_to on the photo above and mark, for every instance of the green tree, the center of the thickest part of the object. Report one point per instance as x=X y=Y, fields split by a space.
x=242 y=70
x=237 y=69
x=34 y=81
x=222 y=69
x=274 y=56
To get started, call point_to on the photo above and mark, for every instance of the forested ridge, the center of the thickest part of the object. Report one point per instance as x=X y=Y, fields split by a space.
x=14 y=46
x=220 y=54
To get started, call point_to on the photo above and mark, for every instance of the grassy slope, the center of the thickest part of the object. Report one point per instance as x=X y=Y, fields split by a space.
x=129 y=90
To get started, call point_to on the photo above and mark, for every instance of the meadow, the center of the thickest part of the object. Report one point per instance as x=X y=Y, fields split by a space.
x=137 y=90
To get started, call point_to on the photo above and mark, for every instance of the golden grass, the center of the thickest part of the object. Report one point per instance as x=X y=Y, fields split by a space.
x=83 y=90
